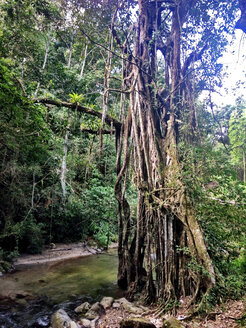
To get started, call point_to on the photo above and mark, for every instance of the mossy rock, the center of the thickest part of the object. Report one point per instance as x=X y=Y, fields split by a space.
x=130 y=307
x=107 y=302
x=95 y=311
x=83 y=308
x=172 y=323
x=60 y=319
x=136 y=323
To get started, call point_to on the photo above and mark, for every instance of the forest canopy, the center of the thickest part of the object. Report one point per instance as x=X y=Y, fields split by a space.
x=105 y=136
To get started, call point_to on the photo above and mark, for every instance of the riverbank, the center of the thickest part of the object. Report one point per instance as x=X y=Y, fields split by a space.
x=110 y=313
x=226 y=315
x=57 y=253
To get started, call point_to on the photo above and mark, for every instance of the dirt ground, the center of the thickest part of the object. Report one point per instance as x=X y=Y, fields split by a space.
x=223 y=316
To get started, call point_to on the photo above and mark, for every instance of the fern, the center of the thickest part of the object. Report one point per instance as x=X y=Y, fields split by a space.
x=75 y=98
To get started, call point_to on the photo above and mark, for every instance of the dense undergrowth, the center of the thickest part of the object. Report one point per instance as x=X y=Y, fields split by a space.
x=33 y=209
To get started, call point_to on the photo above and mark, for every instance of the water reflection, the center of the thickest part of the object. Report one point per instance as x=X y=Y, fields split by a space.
x=65 y=283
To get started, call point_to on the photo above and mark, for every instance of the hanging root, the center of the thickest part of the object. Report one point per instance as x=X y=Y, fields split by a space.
x=170 y=303
x=195 y=295
x=203 y=306
x=168 y=306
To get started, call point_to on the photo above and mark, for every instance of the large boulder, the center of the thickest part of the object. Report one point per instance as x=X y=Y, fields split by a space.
x=130 y=307
x=95 y=311
x=136 y=323
x=60 y=319
x=171 y=323
x=107 y=302
x=83 y=308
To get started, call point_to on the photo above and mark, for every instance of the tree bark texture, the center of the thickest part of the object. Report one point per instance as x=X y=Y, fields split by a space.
x=83 y=62
x=155 y=254
x=44 y=63
x=64 y=163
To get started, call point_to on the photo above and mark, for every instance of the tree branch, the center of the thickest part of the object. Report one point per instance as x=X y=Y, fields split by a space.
x=115 y=54
x=193 y=57
x=86 y=110
x=96 y=132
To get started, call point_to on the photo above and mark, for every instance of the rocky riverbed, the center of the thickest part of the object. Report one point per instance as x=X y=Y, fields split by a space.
x=107 y=313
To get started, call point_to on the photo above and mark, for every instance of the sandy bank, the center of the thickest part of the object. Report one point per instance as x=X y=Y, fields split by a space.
x=59 y=253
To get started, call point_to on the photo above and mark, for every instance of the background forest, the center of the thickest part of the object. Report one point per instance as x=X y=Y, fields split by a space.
x=57 y=171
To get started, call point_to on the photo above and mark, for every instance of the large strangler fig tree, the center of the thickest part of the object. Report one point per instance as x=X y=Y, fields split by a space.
x=166 y=229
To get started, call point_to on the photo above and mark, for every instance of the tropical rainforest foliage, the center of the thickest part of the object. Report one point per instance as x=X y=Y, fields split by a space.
x=81 y=77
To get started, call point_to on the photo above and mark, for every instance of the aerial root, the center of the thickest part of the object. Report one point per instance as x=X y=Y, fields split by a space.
x=167 y=305
x=203 y=304
x=194 y=297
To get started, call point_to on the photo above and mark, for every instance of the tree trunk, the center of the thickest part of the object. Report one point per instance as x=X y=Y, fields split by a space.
x=70 y=51
x=244 y=166
x=44 y=63
x=64 y=162
x=83 y=62
x=33 y=190
x=107 y=76
x=166 y=225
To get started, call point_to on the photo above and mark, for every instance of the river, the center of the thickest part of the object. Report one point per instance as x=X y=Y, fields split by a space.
x=64 y=284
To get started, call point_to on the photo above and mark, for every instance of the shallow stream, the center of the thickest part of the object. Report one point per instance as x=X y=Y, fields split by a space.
x=51 y=286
